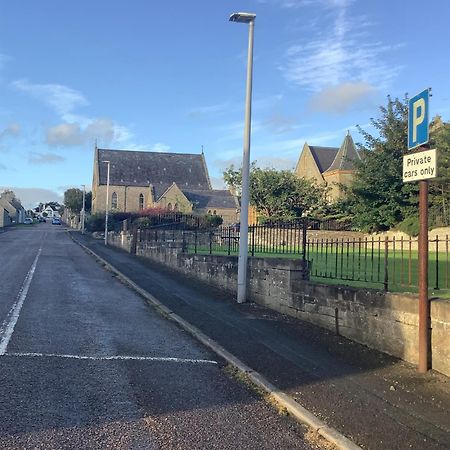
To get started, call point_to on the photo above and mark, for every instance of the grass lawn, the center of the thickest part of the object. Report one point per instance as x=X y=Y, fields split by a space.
x=362 y=268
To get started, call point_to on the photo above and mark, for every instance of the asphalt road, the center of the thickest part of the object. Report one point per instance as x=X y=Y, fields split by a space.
x=85 y=364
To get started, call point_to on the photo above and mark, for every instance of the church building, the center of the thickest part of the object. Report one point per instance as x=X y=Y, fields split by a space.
x=173 y=181
x=329 y=165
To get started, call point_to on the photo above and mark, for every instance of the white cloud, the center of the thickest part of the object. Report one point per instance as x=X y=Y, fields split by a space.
x=13 y=129
x=280 y=123
x=62 y=99
x=75 y=129
x=264 y=151
x=102 y=131
x=44 y=158
x=341 y=98
x=31 y=197
x=65 y=135
x=159 y=147
x=342 y=55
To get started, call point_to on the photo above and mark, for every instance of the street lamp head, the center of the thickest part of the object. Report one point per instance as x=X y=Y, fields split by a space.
x=242 y=17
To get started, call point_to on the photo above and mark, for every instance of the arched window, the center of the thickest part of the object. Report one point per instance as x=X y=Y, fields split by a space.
x=169 y=206
x=215 y=212
x=114 y=201
x=141 y=201
x=175 y=207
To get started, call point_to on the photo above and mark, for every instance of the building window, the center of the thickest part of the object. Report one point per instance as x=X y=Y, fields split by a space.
x=215 y=212
x=169 y=206
x=175 y=207
x=141 y=201
x=114 y=201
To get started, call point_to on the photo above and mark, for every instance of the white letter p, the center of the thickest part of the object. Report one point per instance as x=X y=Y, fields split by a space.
x=418 y=119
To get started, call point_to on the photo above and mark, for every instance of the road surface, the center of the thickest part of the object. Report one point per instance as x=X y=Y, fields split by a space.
x=86 y=364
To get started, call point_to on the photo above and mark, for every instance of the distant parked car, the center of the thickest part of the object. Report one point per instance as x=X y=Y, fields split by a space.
x=56 y=221
x=41 y=219
x=28 y=221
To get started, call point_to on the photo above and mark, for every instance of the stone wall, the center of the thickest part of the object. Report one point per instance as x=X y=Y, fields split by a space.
x=122 y=240
x=384 y=321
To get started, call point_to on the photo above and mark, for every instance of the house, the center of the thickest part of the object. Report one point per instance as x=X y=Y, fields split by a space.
x=13 y=207
x=49 y=212
x=173 y=181
x=329 y=165
x=4 y=217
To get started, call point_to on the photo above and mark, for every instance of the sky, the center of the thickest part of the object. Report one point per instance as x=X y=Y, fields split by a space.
x=170 y=76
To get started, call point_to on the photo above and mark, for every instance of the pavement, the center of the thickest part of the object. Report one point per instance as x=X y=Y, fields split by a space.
x=86 y=364
x=377 y=401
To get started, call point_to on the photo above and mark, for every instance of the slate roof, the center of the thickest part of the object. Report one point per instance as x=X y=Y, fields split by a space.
x=345 y=157
x=324 y=156
x=211 y=199
x=140 y=168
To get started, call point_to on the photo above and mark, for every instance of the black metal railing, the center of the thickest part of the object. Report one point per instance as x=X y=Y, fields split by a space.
x=335 y=256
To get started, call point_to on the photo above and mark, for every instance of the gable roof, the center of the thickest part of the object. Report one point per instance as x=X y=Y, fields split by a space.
x=11 y=203
x=346 y=156
x=211 y=199
x=323 y=156
x=140 y=168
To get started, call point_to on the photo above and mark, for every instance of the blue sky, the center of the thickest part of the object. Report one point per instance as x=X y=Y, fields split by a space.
x=170 y=76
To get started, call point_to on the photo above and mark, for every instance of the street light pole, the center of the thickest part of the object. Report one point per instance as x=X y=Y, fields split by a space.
x=243 y=228
x=107 y=203
x=84 y=209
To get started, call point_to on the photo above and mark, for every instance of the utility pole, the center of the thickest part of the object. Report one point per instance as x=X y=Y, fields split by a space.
x=248 y=18
x=107 y=203
x=83 y=211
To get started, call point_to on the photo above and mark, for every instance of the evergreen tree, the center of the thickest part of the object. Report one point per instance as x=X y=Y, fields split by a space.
x=440 y=187
x=378 y=199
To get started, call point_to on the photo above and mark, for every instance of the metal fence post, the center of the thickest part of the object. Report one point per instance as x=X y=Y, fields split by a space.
x=304 y=230
x=386 y=276
x=229 y=241
x=436 y=286
x=253 y=240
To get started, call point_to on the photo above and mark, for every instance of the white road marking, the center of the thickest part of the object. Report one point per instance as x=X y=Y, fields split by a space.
x=7 y=328
x=112 y=358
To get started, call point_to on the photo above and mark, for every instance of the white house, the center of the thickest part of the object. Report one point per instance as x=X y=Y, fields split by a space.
x=49 y=212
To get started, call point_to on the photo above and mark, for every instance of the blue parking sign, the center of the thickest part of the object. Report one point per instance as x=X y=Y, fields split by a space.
x=418 y=120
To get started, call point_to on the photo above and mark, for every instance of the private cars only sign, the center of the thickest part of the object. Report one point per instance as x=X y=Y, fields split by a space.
x=419 y=166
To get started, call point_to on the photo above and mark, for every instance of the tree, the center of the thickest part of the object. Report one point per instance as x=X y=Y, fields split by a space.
x=440 y=186
x=377 y=198
x=278 y=193
x=73 y=199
